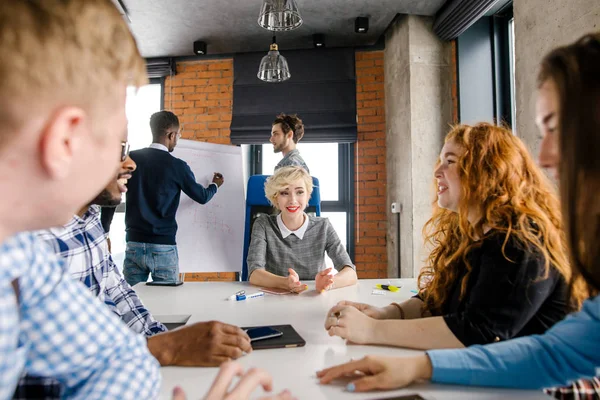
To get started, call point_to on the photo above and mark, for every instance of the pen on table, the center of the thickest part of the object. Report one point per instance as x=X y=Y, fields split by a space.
x=390 y=288
x=249 y=296
x=234 y=296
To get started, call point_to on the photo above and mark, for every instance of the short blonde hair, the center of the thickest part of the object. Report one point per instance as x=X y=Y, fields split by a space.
x=61 y=52
x=282 y=178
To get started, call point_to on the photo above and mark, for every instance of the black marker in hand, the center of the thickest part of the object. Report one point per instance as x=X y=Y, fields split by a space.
x=218 y=179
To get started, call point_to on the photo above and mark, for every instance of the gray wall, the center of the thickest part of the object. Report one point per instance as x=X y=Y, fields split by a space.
x=418 y=112
x=541 y=25
x=475 y=74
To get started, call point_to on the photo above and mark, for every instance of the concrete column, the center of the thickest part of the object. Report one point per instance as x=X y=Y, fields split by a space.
x=541 y=25
x=418 y=101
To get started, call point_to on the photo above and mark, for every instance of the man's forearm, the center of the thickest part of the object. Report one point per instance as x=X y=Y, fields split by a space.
x=160 y=347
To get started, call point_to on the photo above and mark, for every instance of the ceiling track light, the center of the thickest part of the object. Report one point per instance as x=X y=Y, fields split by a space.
x=361 y=24
x=199 y=47
x=273 y=67
x=319 y=40
x=279 y=15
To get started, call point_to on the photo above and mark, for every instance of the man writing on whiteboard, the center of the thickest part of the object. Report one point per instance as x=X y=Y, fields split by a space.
x=152 y=200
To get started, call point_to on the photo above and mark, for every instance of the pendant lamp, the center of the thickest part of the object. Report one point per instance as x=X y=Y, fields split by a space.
x=279 y=15
x=273 y=67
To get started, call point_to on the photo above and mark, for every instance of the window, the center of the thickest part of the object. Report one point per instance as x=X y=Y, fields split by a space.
x=140 y=105
x=486 y=69
x=332 y=164
x=321 y=159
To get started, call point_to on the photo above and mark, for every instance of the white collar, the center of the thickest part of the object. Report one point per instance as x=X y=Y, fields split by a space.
x=158 y=146
x=285 y=232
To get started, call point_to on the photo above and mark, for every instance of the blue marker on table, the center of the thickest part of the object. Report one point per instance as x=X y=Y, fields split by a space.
x=241 y=297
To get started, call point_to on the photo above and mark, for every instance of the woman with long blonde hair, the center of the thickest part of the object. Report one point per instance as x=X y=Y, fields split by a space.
x=498 y=266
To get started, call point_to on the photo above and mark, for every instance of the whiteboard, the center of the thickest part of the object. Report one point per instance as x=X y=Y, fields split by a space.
x=210 y=237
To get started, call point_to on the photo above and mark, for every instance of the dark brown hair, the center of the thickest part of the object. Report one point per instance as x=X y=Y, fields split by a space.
x=575 y=70
x=290 y=123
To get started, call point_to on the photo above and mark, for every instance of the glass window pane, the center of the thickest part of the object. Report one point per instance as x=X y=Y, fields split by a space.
x=321 y=159
x=140 y=106
x=117 y=239
x=338 y=220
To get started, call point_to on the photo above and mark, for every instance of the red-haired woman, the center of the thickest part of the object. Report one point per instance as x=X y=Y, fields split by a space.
x=569 y=120
x=498 y=266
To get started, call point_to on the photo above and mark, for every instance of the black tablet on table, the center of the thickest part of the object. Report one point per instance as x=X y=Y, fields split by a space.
x=290 y=338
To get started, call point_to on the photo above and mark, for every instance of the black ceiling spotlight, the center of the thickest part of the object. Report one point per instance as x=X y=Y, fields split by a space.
x=199 y=47
x=319 y=40
x=361 y=24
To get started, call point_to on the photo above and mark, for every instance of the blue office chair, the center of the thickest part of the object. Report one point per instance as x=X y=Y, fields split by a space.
x=257 y=204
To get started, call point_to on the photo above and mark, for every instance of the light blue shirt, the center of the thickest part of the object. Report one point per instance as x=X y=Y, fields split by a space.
x=58 y=329
x=568 y=351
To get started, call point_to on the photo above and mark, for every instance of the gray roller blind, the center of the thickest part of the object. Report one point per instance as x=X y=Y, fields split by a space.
x=458 y=15
x=321 y=90
x=160 y=67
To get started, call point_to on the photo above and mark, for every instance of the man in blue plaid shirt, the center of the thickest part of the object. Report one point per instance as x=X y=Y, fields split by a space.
x=82 y=244
x=63 y=121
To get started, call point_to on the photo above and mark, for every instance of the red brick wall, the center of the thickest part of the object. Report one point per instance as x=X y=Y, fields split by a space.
x=201 y=94
x=370 y=179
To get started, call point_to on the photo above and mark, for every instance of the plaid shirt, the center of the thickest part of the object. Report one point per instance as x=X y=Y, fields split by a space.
x=580 y=390
x=292 y=158
x=82 y=244
x=57 y=329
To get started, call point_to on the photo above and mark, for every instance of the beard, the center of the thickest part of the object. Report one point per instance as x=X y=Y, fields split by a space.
x=105 y=199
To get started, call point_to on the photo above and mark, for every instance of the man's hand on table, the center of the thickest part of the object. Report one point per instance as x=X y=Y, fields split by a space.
x=203 y=344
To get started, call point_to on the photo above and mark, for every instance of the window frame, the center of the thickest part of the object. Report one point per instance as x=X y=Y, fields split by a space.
x=345 y=202
x=161 y=82
x=500 y=38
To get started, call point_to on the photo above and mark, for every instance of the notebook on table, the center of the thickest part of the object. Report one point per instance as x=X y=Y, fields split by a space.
x=281 y=291
x=290 y=338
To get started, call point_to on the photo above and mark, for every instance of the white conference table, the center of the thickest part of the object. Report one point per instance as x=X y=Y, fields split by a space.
x=292 y=368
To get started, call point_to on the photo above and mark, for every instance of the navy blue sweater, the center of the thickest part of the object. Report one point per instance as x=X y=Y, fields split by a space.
x=153 y=194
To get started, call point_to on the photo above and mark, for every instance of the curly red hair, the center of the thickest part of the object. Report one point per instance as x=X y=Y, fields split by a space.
x=502 y=184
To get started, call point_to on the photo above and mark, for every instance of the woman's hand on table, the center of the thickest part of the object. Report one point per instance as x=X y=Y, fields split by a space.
x=369 y=310
x=351 y=324
x=293 y=282
x=246 y=385
x=379 y=373
x=323 y=280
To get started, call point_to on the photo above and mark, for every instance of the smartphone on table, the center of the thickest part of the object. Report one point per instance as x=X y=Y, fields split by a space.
x=165 y=283
x=263 y=332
